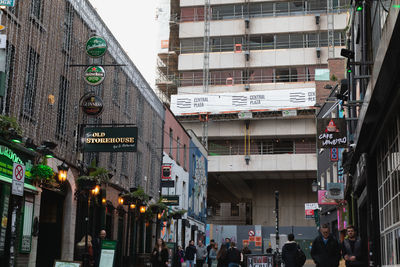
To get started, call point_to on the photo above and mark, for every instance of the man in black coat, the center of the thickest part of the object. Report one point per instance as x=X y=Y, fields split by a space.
x=233 y=256
x=209 y=247
x=289 y=251
x=325 y=249
x=352 y=249
x=96 y=244
x=189 y=254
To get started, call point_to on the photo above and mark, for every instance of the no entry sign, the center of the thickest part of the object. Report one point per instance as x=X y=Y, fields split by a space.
x=18 y=179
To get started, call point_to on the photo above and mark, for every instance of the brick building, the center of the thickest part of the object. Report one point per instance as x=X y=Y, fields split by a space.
x=41 y=87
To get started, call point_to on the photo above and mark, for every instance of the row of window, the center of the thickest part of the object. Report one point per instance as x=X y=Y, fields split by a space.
x=262 y=42
x=252 y=76
x=262 y=9
x=178 y=148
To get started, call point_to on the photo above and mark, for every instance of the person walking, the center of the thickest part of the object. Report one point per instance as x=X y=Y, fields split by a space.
x=97 y=247
x=234 y=256
x=189 y=254
x=201 y=254
x=222 y=256
x=352 y=249
x=180 y=256
x=245 y=251
x=289 y=252
x=160 y=255
x=209 y=247
x=325 y=249
x=212 y=256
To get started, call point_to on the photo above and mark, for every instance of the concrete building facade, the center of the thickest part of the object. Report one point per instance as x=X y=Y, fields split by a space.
x=251 y=95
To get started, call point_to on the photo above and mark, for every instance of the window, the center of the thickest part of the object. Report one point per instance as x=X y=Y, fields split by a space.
x=282 y=41
x=281 y=8
x=31 y=78
x=14 y=9
x=223 y=12
x=115 y=89
x=226 y=43
x=282 y=75
x=37 y=9
x=178 y=150
x=234 y=210
x=171 y=140
x=255 y=43
x=255 y=10
x=297 y=7
x=267 y=9
x=68 y=23
x=184 y=156
x=296 y=40
x=268 y=41
x=10 y=58
x=62 y=107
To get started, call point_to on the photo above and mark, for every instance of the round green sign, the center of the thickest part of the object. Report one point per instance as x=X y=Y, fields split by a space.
x=94 y=75
x=96 y=46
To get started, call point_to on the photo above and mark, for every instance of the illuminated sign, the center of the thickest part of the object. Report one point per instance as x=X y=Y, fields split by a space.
x=110 y=139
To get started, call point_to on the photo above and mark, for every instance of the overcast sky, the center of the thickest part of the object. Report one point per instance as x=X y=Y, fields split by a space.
x=133 y=23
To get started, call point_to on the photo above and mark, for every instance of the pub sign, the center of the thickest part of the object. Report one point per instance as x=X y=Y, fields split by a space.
x=110 y=139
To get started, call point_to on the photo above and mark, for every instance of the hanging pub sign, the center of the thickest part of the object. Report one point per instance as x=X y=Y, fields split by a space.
x=323 y=198
x=332 y=133
x=94 y=75
x=96 y=46
x=335 y=191
x=171 y=200
x=166 y=172
x=92 y=104
x=110 y=139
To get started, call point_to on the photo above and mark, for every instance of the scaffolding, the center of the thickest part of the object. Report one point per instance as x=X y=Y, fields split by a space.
x=331 y=29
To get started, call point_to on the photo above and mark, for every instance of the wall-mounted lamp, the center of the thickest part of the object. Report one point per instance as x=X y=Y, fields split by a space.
x=314 y=186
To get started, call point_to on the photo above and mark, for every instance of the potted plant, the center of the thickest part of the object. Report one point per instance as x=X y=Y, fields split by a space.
x=41 y=173
x=97 y=175
x=8 y=126
x=177 y=214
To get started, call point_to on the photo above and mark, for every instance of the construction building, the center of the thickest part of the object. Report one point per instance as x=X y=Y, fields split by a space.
x=246 y=77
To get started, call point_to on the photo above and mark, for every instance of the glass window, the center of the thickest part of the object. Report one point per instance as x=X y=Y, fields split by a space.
x=223 y=12
x=296 y=7
x=255 y=9
x=282 y=75
x=316 y=6
x=31 y=79
x=238 y=10
x=268 y=42
x=323 y=39
x=62 y=107
x=282 y=41
x=293 y=75
x=296 y=40
x=178 y=150
x=198 y=45
x=37 y=9
x=216 y=44
x=186 y=45
x=267 y=9
x=282 y=8
x=312 y=40
x=255 y=43
x=226 y=43
x=171 y=140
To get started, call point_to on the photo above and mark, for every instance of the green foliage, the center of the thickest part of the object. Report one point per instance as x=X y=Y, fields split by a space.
x=98 y=174
x=42 y=172
x=140 y=195
x=7 y=122
x=334 y=78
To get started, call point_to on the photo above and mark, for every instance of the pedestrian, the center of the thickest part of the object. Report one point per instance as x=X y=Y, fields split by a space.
x=81 y=249
x=212 y=257
x=189 y=254
x=352 y=249
x=325 y=249
x=269 y=250
x=180 y=256
x=209 y=247
x=227 y=242
x=97 y=247
x=201 y=254
x=222 y=256
x=234 y=256
x=160 y=254
x=290 y=252
x=245 y=251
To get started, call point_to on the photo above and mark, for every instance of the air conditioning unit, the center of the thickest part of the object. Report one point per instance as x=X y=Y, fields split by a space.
x=318 y=50
x=317 y=19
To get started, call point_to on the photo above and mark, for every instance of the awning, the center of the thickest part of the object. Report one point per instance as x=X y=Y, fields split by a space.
x=26 y=186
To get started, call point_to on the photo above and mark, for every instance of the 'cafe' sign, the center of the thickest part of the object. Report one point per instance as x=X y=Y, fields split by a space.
x=331 y=133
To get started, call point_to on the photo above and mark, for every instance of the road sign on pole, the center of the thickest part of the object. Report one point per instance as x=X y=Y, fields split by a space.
x=18 y=179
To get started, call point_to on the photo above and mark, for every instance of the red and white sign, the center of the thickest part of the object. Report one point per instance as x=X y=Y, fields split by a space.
x=323 y=199
x=18 y=179
x=166 y=172
x=251 y=233
x=309 y=209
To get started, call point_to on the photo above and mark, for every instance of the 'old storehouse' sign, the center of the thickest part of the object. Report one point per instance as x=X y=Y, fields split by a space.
x=110 y=139
x=331 y=133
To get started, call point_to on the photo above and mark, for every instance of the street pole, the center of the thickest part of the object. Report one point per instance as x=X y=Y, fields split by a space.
x=13 y=230
x=277 y=258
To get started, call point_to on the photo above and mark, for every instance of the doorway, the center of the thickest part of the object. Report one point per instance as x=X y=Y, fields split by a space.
x=50 y=228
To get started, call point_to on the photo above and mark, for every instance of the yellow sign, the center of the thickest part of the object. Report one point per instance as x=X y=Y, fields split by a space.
x=2 y=27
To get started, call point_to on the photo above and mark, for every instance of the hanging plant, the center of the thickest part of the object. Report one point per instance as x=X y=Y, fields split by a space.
x=42 y=173
x=177 y=214
x=7 y=123
x=97 y=175
x=157 y=207
x=138 y=196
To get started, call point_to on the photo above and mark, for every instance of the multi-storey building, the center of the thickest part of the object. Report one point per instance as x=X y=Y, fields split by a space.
x=42 y=84
x=248 y=81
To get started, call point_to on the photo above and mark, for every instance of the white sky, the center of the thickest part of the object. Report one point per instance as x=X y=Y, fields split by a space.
x=133 y=24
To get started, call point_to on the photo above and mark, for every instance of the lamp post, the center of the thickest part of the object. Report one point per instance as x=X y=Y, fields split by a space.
x=314 y=186
x=62 y=172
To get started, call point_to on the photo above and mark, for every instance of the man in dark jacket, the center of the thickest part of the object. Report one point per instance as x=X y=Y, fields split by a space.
x=352 y=249
x=209 y=247
x=96 y=243
x=325 y=249
x=289 y=251
x=233 y=256
x=189 y=254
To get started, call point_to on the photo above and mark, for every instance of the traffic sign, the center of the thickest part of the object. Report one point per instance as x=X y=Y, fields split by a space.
x=18 y=179
x=251 y=233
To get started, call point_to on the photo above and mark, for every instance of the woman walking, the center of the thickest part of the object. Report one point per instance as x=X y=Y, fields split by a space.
x=212 y=261
x=159 y=256
x=222 y=256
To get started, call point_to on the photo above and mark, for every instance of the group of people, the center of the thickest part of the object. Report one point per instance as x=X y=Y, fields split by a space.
x=93 y=251
x=326 y=251
x=227 y=255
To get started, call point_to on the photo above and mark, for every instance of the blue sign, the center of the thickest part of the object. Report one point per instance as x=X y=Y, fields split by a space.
x=334 y=154
x=7 y=2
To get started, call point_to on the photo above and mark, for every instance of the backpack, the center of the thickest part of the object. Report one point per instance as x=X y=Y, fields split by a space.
x=300 y=257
